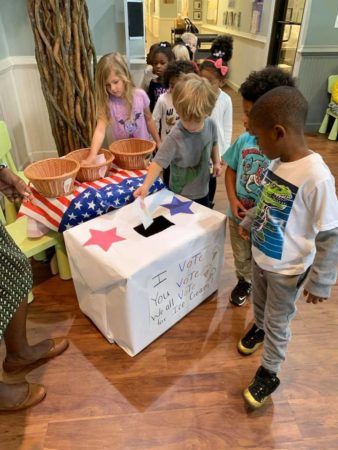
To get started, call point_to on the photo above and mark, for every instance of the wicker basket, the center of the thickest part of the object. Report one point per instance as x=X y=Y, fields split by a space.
x=53 y=177
x=94 y=171
x=132 y=153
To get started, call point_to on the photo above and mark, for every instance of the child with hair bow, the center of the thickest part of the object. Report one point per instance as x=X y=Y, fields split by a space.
x=215 y=69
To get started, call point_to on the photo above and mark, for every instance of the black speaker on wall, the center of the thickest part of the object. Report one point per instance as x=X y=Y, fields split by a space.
x=135 y=20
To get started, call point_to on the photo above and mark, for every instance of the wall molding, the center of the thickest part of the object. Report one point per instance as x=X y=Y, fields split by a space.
x=317 y=50
x=11 y=62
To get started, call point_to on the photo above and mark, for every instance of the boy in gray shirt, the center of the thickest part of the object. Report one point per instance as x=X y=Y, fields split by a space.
x=190 y=144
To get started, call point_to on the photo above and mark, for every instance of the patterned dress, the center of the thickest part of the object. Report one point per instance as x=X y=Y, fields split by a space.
x=15 y=278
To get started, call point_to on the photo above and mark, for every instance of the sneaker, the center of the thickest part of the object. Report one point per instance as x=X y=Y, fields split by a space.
x=261 y=387
x=240 y=293
x=251 y=341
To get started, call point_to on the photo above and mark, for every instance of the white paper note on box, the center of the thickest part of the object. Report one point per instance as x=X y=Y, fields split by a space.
x=143 y=212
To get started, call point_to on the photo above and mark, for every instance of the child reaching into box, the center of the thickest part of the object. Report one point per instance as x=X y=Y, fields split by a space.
x=190 y=144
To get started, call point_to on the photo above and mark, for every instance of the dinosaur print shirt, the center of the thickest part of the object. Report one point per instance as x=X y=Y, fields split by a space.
x=125 y=125
x=298 y=201
x=188 y=154
x=165 y=114
x=246 y=159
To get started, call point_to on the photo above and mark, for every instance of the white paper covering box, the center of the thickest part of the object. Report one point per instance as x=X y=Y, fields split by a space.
x=136 y=288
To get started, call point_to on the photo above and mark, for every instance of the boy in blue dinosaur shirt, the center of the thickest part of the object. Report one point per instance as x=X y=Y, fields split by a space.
x=243 y=176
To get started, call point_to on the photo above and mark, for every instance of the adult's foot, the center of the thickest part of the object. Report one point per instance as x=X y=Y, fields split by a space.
x=15 y=397
x=34 y=354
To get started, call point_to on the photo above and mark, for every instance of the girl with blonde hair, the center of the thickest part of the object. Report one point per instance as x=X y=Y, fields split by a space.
x=121 y=104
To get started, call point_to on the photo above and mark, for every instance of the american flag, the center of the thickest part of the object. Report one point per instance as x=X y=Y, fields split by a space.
x=88 y=200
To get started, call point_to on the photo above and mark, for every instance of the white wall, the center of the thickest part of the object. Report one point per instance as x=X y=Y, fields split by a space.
x=23 y=108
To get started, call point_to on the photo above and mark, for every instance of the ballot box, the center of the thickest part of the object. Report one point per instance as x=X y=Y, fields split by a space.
x=134 y=282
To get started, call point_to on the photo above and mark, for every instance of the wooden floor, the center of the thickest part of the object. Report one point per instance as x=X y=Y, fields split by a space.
x=183 y=391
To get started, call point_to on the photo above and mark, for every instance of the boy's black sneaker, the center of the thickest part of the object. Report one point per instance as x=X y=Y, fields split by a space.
x=251 y=341
x=240 y=292
x=261 y=387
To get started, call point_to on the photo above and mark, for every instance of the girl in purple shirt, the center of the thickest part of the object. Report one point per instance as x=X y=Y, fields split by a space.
x=120 y=104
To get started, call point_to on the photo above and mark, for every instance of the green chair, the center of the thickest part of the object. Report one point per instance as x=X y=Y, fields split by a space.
x=329 y=113
x=2 y=216
x=34 y=246
x=6 y=157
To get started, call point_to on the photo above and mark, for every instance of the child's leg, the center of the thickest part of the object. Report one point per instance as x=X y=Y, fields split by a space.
x=280 y=308
x=241 y=250
x=212 y=188
x=259 y=294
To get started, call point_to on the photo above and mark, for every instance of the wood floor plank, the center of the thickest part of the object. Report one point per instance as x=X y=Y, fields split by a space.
x=198 y=428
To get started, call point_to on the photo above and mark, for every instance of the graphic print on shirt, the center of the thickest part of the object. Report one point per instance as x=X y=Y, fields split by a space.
x=171 y=117
x=254 y=165
x=130 y=125
x=273 y=211
x=181 y=176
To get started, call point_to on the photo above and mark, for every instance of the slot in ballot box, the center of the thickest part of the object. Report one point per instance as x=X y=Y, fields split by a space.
x=136 y=283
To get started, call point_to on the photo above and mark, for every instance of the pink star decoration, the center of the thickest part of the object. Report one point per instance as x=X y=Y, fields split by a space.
x=103 y=239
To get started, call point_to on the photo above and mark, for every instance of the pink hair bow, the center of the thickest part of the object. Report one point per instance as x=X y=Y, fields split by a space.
x=218 y=64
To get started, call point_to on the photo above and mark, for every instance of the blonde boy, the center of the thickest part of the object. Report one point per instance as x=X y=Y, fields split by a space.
x=190 y=144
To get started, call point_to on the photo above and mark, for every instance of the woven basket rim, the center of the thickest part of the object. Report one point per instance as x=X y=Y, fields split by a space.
x=56 y=177
x=150 y=150
x=134 y=154
x=91 y=166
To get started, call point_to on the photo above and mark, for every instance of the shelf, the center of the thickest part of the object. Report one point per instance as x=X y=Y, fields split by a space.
x=232 y=32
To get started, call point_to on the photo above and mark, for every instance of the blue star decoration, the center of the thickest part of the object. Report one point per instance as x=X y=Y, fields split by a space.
x=177 y=206
x=93 y=202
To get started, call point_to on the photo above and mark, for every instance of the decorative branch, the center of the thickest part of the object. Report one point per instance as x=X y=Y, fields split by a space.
x=66 y=61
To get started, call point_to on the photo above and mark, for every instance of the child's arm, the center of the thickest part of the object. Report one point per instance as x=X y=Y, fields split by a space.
x=244 y=227
x=217 y=169
x=323 y=273
x=154 y=171
x=236 y=206
x=227 y=125
x=158 y=113
x=152 y=126
x=97 y=140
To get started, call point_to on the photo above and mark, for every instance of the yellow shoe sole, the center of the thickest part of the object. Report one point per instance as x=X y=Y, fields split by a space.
x=247 y=351
x=251 y=401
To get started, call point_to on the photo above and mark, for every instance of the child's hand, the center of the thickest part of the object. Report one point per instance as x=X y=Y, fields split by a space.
x=88 y=161
x=311 y=298
x=141 y=192
x=244 y=234
x=217 y=169
x=158 y=144
x=237 y=208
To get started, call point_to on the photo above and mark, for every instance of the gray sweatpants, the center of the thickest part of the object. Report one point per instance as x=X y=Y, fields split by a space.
x=274 y=301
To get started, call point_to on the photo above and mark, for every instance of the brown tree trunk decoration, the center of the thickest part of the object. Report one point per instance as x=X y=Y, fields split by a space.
x=66 y=60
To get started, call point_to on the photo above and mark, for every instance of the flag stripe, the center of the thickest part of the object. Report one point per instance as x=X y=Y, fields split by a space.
x=39 y=214
x=48 y=203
